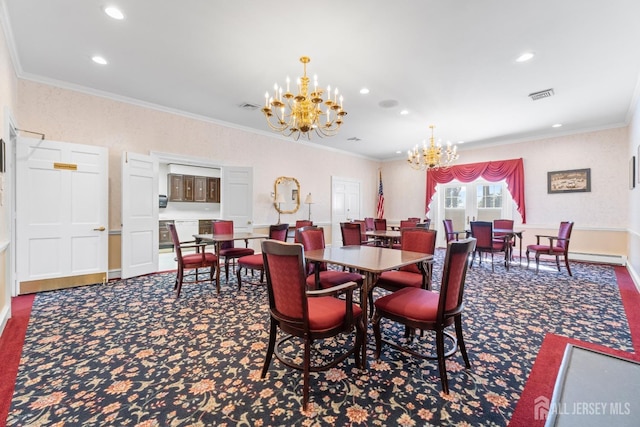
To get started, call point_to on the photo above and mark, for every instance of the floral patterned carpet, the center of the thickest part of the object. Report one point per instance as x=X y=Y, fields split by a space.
x=129 y=353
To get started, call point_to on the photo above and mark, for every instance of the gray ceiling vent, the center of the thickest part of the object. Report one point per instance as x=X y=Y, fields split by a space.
x=354 y=139
x=249 y=106
x=542 y=94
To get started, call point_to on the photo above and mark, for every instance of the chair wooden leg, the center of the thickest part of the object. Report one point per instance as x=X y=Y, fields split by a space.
x=537 y=262
x=558 y=262
x=463 y=348
x=376 y=333
x=566 y=263
x=238 y=276
x=527 y=258
x=307 y=369
x=273 y=332
x=179 y=277
x=442 y=366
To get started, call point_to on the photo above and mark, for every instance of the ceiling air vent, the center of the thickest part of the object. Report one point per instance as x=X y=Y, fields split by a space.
x=249 y=106
x=354 y=139
x=542 y=94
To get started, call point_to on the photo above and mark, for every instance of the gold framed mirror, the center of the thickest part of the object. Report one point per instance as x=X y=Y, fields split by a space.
x=287 y=195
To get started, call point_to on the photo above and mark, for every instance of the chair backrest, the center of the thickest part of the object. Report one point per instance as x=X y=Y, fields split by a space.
x=417 y=240
x=448 y=229
x=279 y=232
x=482 y=231
x=369 y=224
x=409 y=223
x=564 y=233
x=504 y=224
x=299 y=224
x=351 y=233
x=380 y=224
x=425 y=224
x=176 y=241
x=284 y=266
x=454 y=274
x=363 y=229
x=312 y=238
x=414 y=219
x=221 y=226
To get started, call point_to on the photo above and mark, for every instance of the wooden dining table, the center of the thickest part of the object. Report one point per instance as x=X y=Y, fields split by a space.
x=370 y=261
x=388 y=236
x=218 y=239
x=512 y=233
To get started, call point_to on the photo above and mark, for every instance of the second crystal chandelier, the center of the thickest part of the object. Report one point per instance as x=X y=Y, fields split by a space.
x=432 y=156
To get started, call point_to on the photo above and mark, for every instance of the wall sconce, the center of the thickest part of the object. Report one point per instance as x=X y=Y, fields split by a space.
x=309 y=201
x=279 y=201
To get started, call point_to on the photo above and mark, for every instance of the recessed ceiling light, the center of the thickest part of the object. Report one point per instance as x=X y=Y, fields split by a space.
x=525 y=57
x=404 y=112
x=557 y=125
x=99 y=60
x=398 y=152
x=364 y=91
x=114 y=12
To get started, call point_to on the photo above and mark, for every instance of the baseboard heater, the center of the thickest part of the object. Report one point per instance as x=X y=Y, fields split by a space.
x=598 y=258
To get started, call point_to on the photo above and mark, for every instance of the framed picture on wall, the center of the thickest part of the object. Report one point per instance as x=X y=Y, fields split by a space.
x=638 y=165
x=569 y=181
x=632 y=173
x=3 y=155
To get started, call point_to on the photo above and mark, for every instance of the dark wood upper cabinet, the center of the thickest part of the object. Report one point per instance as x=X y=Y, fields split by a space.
x=213 y=190
x=190 y=188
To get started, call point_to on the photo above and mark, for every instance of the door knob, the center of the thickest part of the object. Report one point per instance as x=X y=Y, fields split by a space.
x=99 y=229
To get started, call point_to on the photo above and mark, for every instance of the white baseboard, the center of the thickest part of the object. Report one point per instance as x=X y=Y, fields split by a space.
x=5 y=315
x=598 y=258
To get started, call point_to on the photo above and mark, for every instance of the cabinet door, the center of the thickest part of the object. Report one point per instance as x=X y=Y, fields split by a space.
x=200 y=193
x=165 y=236
x=189 y=187
x=176 y=188
x=205 y=226
x=213 y=190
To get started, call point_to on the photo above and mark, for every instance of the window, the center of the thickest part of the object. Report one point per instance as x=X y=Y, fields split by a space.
x=489 y=196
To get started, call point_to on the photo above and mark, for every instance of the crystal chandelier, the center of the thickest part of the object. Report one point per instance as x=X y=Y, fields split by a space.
x=298 y=115
x=432 y=156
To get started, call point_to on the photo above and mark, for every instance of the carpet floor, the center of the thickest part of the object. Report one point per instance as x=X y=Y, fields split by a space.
x=129 y=353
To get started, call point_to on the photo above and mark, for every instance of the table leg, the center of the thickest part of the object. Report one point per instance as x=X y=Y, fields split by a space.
x=370 y=280
x=217 y=250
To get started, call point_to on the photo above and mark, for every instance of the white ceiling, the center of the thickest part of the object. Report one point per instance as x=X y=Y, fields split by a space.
x=450 y=63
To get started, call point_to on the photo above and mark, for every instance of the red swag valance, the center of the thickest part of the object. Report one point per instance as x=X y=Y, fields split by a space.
x=512 y=171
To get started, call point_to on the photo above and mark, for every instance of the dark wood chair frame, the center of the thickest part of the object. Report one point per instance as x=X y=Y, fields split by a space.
x=299 y=327
x=444 y=318
x=561 y=242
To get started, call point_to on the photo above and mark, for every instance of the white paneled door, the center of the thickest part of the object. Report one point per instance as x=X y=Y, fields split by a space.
x=140 y=233
x=237 y=197
x=61 y=214
x=345 y=205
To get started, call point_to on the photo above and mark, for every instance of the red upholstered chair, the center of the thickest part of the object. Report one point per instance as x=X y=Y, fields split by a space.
x=363 y=232
x=369 y=224
x=299 y=224
x=308 y=315
x=313 y=238
x=450 y=233
x=482 y=231
x=228 y=251
x=380 y=224
x=351 y=233
x=415 y=240
x=557 y=246
x=418 y=308
x=199 y=259
x=255 y=261
x=406 y=223
x=414 y=219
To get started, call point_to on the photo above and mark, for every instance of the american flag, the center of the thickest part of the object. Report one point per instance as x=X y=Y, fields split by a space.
x=380 y=212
